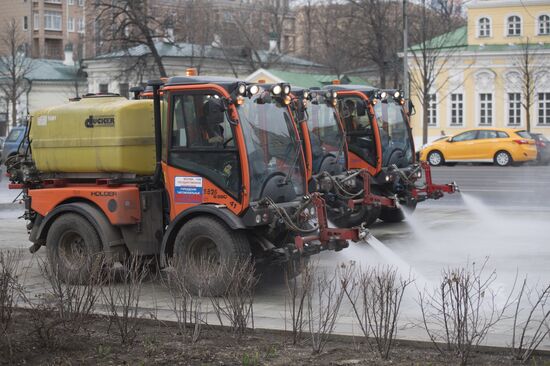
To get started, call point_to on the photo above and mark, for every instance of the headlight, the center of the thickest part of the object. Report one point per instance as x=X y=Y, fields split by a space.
x=253 y=89
x=277 y=89
x=387 y=178
x=306 y=94
x=241 y=89
x=286 y=89
x=383 y=95
x=334 y=95
x=258 y=219
x=397 y=94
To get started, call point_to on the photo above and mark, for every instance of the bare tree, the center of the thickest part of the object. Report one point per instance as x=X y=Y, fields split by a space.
x=15 y=66
x=436 y=46
x=375 y=296
x=462 y=311
x=377 y=23
x=127 y=23
x=530 y=65
x=529 y=332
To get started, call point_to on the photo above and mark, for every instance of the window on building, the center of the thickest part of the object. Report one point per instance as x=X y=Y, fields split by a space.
x=80 y=25
x=71 y=2
x=457 y=109
x=544 y=24
x=514 y=25
x=36 y=21
x=514 y=109
x=484 y=27
x=544 y=109
x=80 y=2
x=124 y=89
x=52 y=20
x=25 y=23
x=103 y=88
x=485 y=109
x=70 y=24
x=432 y=110
x=53 y=1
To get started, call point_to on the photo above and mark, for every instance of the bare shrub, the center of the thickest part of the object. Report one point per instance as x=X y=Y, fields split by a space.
x=375 y=296
x=9 y=288
x=63 y=307
x=528 y=332
x=236 y=304
x=186 y=307
x=121 y=294
x=74 y=303
x=323 y=303
x=460 y=313
x=298 y=288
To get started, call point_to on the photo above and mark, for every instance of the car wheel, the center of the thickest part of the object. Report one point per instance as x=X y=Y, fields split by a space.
x=435 y=158
x=503 y=158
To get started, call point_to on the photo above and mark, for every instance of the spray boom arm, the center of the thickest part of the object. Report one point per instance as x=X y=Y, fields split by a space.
x=431 y=190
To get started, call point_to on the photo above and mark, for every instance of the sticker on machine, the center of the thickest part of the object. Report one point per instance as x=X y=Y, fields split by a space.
x=188 y=190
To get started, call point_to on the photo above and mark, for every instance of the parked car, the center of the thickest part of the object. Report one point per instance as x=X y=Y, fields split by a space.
x=12 y=142
x=502 y=146
x=1 y=146
x=543 y=148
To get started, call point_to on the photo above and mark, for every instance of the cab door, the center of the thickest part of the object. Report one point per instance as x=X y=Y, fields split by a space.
x=461 y=147
x=203 y=160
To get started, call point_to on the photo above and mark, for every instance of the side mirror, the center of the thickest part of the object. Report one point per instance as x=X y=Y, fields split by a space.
x=361 y=108
x=411 y=110
x=450 y=139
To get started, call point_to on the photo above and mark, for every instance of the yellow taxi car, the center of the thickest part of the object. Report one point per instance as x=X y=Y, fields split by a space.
x=502 y=146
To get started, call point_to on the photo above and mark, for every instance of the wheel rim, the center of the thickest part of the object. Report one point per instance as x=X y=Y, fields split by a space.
x=203 y=249
x=72 y=250
x=435 y=159
x=502 y=159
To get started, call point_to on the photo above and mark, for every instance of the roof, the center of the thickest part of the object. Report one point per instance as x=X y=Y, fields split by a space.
x=307 y=80
x=52 y=70
x=183 y=49
x=455 y=39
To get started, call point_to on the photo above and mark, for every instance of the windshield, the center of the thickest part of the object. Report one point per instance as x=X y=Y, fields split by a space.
x=394 y=134
x=272 y=145
x=325 y=133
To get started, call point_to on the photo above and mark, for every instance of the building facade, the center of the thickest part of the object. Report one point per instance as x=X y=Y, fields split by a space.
x=48 y=26
x=483 y=83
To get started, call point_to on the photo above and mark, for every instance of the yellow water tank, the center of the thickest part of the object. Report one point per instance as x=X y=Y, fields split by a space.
x=103 y=134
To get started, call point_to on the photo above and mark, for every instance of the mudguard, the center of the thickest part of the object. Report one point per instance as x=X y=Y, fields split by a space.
x=230 y=219
x=110 y=235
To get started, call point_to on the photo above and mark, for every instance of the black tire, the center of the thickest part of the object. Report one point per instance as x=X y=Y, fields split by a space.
x=209 y=239
x=435 y=158
x=278 y=274
x=503 y=158
x=73 y=247
x=361 y=214
x=396 y=214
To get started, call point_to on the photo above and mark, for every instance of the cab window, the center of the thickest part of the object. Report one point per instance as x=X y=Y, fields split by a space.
x=359 y=130
x=202 y=140
x=502 y=135
x=465 y=136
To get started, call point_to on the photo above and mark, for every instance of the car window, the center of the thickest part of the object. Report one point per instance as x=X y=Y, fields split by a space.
x=14 y=135
x=524 y=134
x=485 y=134
x=465 y=136
x=502 y=135
x=543 y=138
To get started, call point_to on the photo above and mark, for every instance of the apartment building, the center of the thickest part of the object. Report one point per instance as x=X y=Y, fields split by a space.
x=48 y=25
